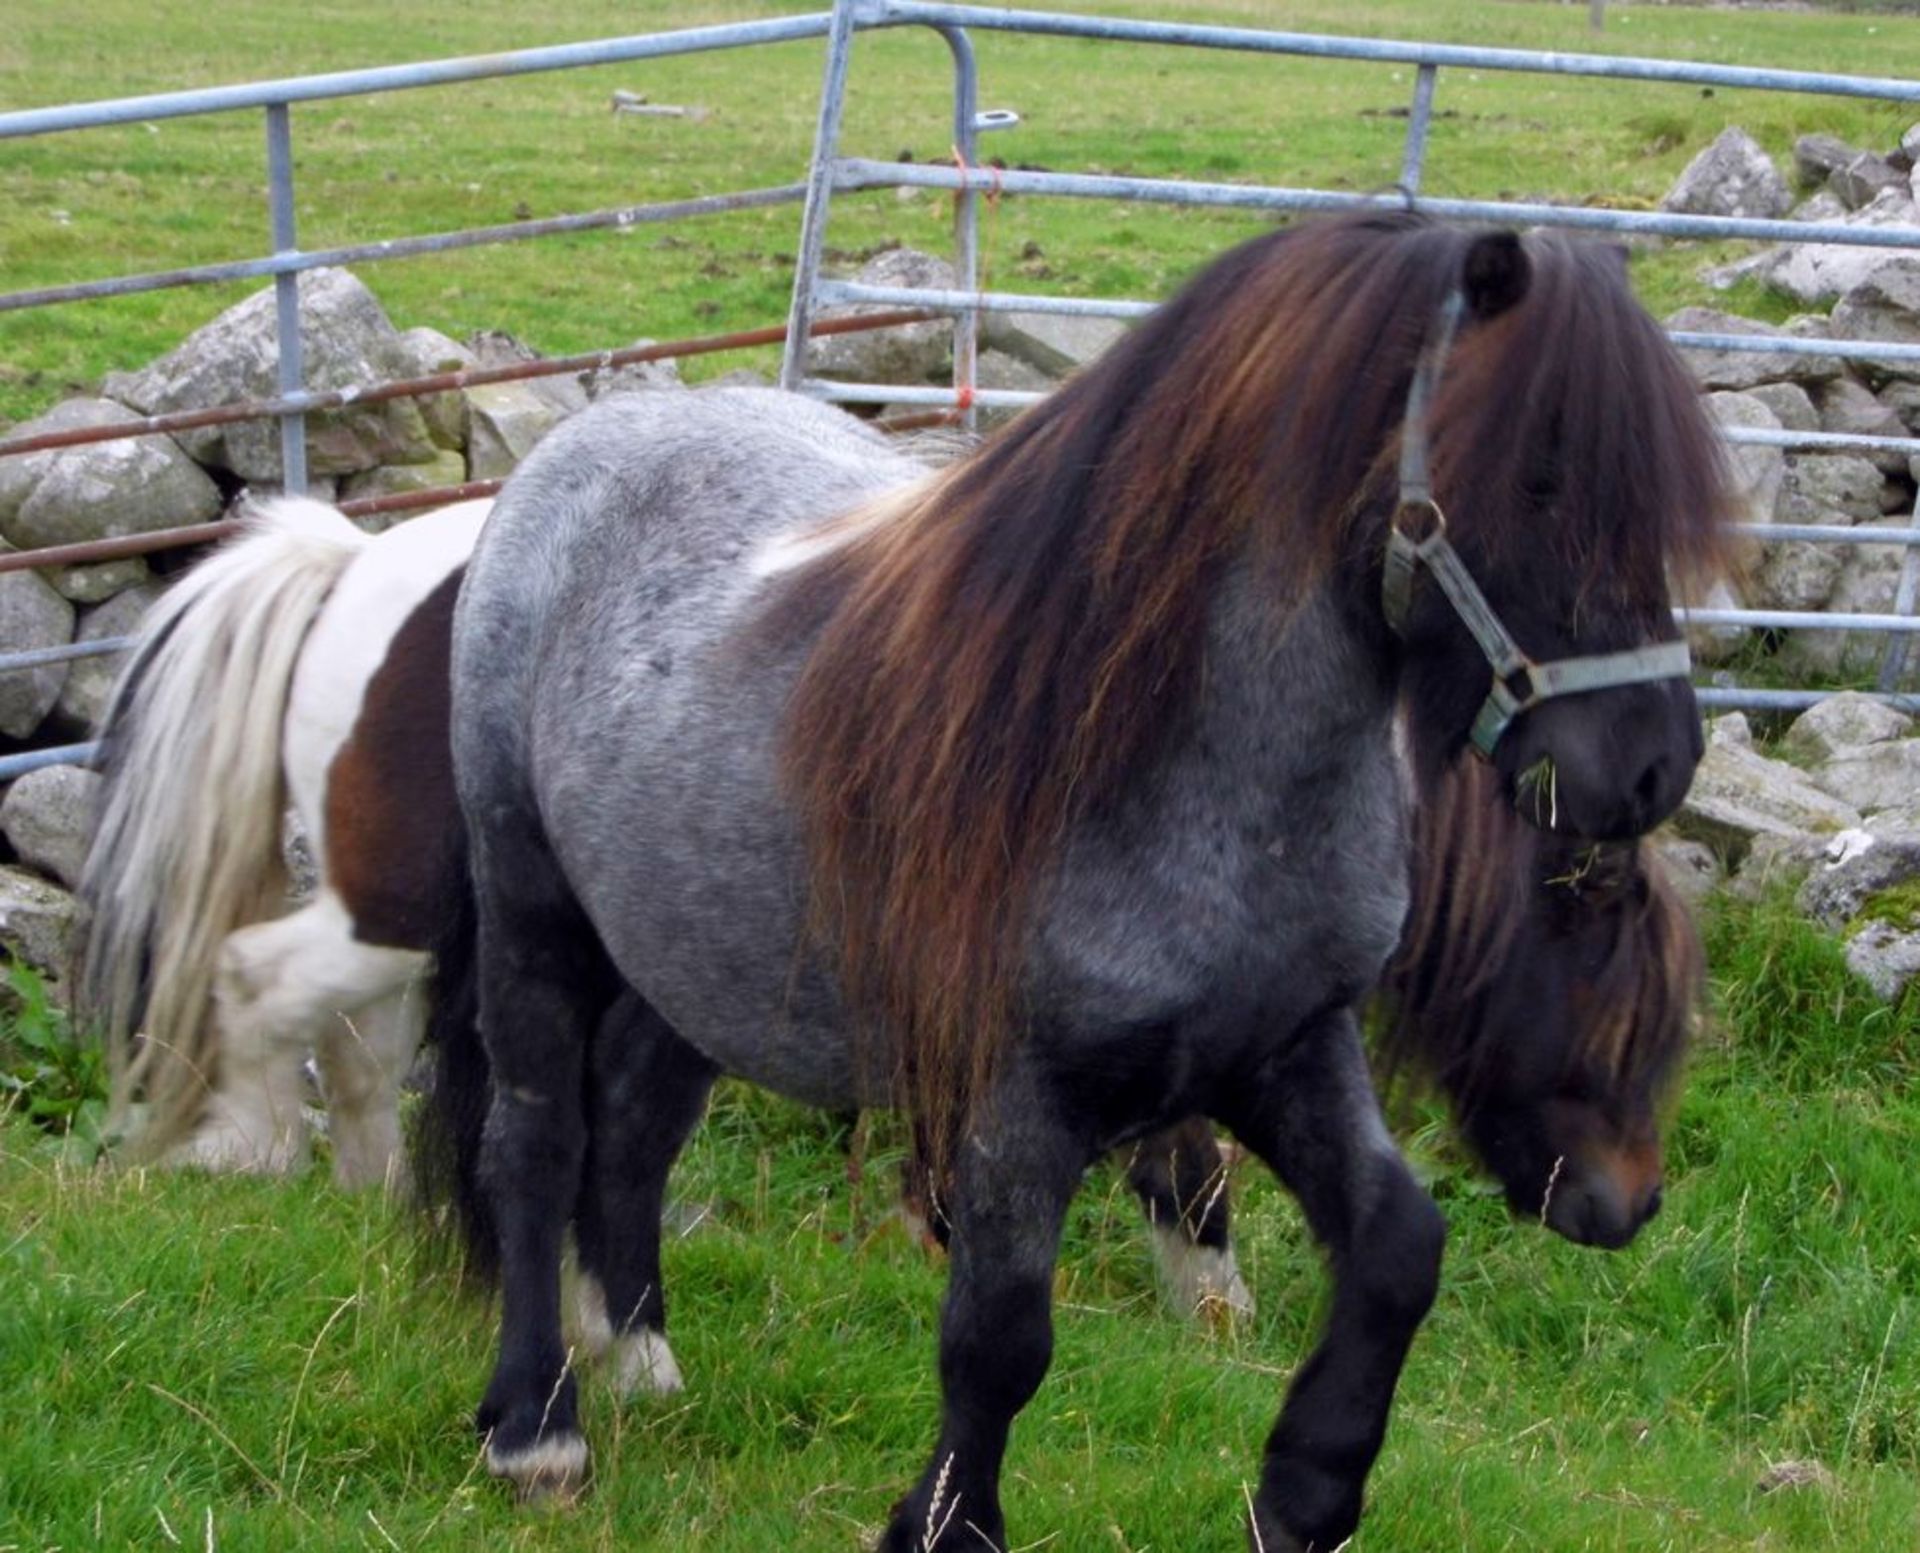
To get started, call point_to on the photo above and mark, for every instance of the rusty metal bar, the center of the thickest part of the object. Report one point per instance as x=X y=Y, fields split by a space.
x=446 y=382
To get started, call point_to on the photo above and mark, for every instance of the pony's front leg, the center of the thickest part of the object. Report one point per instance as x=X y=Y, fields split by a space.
x=1012 y=1183
x=1309 y=1110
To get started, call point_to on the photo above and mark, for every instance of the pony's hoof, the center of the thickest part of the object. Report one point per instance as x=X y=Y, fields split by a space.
x=224 y=1148
x=1201 y=1282
x=642 y=1361
x=1265 y=1534
x=552 y=1470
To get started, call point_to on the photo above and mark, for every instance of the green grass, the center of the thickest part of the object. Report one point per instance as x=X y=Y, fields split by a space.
x=188 y=191
x=288 y=1363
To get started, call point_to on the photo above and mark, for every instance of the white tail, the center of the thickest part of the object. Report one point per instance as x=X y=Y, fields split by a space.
x=187 y=847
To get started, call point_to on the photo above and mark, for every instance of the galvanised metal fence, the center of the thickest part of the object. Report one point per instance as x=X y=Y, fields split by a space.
x=830 y=174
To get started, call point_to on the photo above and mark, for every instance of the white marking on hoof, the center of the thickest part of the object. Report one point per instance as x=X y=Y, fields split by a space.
x=551 y=1469
x=642 y=1361
x=225 y=1145
x=1198 y=1280
x=590 y=1313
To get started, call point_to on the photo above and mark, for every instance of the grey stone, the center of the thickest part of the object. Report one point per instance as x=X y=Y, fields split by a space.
x=1845 y=722
x=446 y=467
x=31 y=615
x=911 y=353
x=497 y=348
x=95 y=584
x=1730 y=730
x=1819 y=272
x=1860 y=866
x=635 y=375
x=1822 y=206
x=1738 y=794
x=1776 y=862
x=1758 y=472
x=996 y=369
x=1885 y=957
x=1819 y=484
x=100 y=490
x=1904 y=400
x=83 y=699
x=1689 y=866
x=1792 y=406
x=428 y=353
x=1713 y=644
x=1797 y=573
x=1058 y=344
x=48 y=819
x=1873 y=778
x=1884 y=306
x=1816 y=157
x=36 y=920
x=1731 y=177
x=1862 y=178
x=1832 y=489
x=504 y=421
x=1869 y=576
x=739 y=377
x=349 y=343
x=1849 y=407
x=1740 y=370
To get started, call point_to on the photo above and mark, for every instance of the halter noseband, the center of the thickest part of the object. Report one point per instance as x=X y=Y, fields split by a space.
x=1417 y=536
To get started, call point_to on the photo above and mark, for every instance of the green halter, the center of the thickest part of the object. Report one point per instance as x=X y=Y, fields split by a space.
x=1417 y=537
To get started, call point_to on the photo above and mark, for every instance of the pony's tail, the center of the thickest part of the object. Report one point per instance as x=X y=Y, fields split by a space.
x=446 y=1139
x=187 y=841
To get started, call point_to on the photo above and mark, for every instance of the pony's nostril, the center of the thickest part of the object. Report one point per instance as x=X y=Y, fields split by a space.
x=1649 y=792
x=1654 y=1199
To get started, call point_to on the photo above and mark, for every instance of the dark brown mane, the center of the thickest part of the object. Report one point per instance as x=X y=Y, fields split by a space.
x=996 y=658
x=1481 y=876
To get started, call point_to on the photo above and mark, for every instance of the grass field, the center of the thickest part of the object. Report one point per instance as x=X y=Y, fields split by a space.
x=188 y=191
x=247 y=1365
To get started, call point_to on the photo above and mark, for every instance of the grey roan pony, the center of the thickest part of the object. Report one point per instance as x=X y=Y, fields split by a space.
x=1053 y=794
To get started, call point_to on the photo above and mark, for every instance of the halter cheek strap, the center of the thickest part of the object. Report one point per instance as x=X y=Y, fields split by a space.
x=1417 y=537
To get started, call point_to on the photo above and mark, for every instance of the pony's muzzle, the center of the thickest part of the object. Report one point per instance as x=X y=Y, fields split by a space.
x=1606 y=765
x=1609 y=1200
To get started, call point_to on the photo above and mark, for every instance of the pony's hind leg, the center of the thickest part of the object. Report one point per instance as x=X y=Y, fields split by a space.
x=363 y=1059
x=1310 y=1112
x=646 y=1089
x=1180 y=1176
x=1016 y=1173
x=544 y=982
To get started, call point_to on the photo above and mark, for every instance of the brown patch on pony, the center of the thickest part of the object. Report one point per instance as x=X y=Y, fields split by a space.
x=391 y=808
x=1480 y=873
x=1002 y=657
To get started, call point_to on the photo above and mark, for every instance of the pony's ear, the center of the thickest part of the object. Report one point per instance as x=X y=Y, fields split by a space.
x=1495 y=274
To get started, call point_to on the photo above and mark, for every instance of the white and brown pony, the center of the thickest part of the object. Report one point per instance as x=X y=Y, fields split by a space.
x=304 y=664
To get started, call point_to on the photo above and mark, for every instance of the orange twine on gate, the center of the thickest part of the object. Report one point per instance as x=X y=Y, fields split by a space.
x=964 y=392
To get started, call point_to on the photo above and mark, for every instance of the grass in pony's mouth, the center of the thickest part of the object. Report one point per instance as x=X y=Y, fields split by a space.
x=1539 y=784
